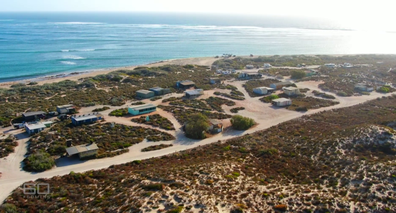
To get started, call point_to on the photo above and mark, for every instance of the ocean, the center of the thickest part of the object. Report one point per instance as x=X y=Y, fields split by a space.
x=42 y=44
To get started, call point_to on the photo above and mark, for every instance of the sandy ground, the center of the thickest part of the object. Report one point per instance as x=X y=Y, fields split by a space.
x=204 y=61
x=265 y=114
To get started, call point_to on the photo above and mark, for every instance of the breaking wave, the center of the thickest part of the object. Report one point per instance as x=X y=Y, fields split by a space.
x=77 y=23
x=68 y=62
x=73 y=57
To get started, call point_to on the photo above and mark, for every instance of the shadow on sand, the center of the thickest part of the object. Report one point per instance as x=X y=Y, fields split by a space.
x=68 y=161
x=183 y=140
x=21 y=136
x=10 y=131
x=276 y=107
x=229 y=131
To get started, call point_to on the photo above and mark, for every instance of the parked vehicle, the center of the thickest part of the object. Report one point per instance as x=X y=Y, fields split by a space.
x=53 y=114
x=19 y=125
x=63 y=117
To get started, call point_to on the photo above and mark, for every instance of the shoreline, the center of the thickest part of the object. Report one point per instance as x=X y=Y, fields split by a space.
x=76 y=75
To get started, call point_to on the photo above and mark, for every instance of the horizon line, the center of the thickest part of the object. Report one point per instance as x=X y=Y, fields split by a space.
x=169 y=12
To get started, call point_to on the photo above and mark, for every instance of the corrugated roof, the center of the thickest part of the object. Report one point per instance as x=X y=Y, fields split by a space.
x=143 y=91
x=81 y=148
x=281 y=100
x=65 y=106
x=290 y=88
x=362 y=85
x=156 y=89
x=71 y=150
x=267 y=88
x=195 y=92
x=35 y=126
x=47 y=122
x=186 y=82
x=86 y=117
x=27 y=114
x=139 y=107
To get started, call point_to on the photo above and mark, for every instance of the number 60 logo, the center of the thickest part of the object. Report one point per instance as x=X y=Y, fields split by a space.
x=39 y=188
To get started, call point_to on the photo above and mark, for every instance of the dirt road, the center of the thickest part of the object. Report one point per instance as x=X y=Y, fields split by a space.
x=263 y=113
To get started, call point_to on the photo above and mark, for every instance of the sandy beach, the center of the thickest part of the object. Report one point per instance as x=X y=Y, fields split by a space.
x=74 y=76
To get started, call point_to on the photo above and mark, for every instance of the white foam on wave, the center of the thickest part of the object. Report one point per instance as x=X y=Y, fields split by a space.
x=79 y=50
x=199 y=27
x=68 y=62
x=150 y=25
x=86 y=50
x=76 y=23
x=73 y=57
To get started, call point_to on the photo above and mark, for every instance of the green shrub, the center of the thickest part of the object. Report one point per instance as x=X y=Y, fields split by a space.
x=365 y=93
x=236 y=109
x=177 y=209
x=155 y=120
x=101 y=109
x=154 y=187
x=342 y=93
x=384 y=89
x=216 y=103
x=138 y=103
x=298 y=74
x=18 y=85
x=196 y=126
x=7 y=147
x=39 y=162
x=119 y=112
x=156 y=147
x=8 y=208
x=155 y=98
x=328 y=96
x=302 y=109
x=236 y=174
x=241 y=123
x=56 y=150
x=183 y=114
x=32 y=83
x=234 y=94
x=137 y=161
x=268 y=99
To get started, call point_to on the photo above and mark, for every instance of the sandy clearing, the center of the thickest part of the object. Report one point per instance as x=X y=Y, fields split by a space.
x=11 y=165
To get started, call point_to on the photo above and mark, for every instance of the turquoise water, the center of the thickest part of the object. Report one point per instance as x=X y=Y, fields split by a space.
x=34 y=44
